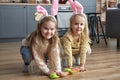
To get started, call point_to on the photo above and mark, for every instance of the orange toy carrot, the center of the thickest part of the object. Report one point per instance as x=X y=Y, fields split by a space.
x=75 y=70
x=67 y=73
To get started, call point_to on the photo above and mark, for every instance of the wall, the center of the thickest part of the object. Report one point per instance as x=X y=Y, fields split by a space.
x=89 y=5
x=102 y=5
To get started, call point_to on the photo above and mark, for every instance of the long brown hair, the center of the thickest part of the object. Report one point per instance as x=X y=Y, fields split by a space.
x=36 y=40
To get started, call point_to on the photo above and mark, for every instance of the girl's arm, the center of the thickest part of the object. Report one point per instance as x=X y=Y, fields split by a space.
x=66 y=43
x=57 y=59
x=41 y=64
x=83 y=52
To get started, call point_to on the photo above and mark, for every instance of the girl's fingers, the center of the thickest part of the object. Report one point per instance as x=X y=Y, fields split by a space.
x=61 y=74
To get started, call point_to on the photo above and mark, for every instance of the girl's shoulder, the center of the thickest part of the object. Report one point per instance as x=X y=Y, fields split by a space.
x=67 y=36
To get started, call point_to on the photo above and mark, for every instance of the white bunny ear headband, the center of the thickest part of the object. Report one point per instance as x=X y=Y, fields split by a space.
x=76 y=6
x=41 y=11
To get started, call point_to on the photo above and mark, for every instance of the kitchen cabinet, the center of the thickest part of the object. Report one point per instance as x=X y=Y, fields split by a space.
x=17 y=21
x=31 y=23
x=12 y=21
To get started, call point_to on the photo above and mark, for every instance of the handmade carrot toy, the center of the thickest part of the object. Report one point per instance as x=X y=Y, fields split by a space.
x=76 y=70
x=68 y=71
x=71 y=71
x=54 y=76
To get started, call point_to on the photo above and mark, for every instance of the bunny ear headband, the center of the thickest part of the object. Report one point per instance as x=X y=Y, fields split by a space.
x=76 y=6
x=41 y=11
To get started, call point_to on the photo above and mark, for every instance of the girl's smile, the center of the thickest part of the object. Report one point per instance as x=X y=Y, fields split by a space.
x=48 y=30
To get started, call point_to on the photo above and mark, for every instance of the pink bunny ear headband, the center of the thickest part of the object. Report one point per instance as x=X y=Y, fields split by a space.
x=76 y=6
x=41 y=11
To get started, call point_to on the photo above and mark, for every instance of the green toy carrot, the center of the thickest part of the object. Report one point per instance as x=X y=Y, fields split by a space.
x=71 y=70
x=68 y=71
x=54 y=76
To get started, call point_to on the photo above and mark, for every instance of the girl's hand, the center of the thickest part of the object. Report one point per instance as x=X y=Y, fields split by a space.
x=75 y=70
x=50 y=72
x=61 y=74
x=82 y=68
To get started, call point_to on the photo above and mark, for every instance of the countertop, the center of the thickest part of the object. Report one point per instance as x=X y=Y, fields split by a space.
x=30 y=4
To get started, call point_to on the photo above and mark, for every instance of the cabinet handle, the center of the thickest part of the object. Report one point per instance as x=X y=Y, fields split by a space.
x=24 y=7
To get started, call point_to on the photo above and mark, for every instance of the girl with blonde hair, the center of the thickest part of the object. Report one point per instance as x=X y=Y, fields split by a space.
x=76 y=40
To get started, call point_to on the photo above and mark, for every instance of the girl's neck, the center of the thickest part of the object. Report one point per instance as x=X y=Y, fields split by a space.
x=76 y=38
x=45 y=41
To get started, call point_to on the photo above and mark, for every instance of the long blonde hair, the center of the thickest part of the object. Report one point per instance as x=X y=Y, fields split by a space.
x=36 y=39
x=85 y=33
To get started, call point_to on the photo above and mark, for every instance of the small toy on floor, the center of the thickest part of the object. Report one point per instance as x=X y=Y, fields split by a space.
x=71 y=70
x=68 y=71
x=54 y=76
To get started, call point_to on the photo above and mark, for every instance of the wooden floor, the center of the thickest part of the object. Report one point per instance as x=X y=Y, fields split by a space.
x=102 y=64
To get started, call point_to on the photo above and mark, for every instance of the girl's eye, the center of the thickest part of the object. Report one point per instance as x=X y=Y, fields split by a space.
x=76 y=23
x=52 y=29
x=81 y=24
x=45 y=28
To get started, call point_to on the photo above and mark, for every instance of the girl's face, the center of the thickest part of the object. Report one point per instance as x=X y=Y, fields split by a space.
x=77 y=25
x=48 y=29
